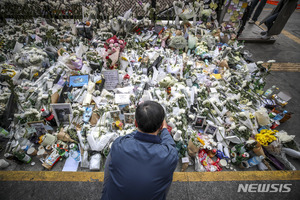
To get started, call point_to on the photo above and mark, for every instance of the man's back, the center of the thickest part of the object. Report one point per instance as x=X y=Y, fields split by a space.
x=141 y=167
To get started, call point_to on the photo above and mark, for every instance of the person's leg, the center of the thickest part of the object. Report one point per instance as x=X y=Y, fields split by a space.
x=269 y=22
x=259 y=9
x=106 y=172
x=252 y=7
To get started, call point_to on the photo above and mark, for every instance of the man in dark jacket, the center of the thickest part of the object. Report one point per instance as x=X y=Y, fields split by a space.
x=140 y=165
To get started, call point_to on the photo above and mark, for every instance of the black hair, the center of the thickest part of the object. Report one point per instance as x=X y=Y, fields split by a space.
x=149 y=116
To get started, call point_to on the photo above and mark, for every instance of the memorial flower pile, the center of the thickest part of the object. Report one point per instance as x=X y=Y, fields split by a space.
x=85 y=90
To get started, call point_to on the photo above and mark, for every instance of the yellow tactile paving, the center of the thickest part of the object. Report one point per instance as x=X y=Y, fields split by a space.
x=291 y=36
x=178 y=176
x=288 y=67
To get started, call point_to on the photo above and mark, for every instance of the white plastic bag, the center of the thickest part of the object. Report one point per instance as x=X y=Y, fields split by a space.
x=262 y=117
x=198 y=166
x=95 y=162
x=84 y=160
x=3 y=164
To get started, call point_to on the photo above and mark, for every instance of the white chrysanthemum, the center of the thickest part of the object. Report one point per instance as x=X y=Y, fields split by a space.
x=172 y=120
x=271 y=61
x=86 y=126
x=233 y=126
x=178 y=123
x=192 y=117
x=242 y=114
x=75 y=112
x=244 y=84
x=206 y=102
x=242 y=128
x=249 y=103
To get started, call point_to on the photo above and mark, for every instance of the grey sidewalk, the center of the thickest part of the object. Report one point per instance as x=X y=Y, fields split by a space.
x=178 y=191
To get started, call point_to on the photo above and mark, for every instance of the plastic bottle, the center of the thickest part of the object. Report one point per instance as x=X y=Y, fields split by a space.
x=269 y=91
x=255 y=160
x=280 y=115
x=48 y=116
x=216 y=70
x=75 y=155
x=22 y=156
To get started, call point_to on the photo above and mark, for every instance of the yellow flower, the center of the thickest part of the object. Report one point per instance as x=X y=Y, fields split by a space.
x=201 y=141
x=274 y=138
x=123 y=58
x=263 y=131
x=270 y=140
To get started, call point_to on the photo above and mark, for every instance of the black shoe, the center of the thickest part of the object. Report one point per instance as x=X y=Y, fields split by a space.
x=263 y=33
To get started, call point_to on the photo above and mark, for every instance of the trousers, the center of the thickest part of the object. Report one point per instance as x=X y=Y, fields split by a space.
x=258 y=9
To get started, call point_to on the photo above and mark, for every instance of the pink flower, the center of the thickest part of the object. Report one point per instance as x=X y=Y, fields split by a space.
x=111 y=41
x=116 y=44
x=113 y=49
x=111 y=45
x=121 y=42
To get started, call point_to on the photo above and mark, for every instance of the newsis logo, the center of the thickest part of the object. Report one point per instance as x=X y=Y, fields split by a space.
x=264 y=188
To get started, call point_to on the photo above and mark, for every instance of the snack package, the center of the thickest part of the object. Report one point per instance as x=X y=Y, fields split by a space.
x=51 y=159
x=207 y=162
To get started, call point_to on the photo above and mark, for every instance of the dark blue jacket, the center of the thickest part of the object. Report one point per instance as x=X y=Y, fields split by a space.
x=140 y=167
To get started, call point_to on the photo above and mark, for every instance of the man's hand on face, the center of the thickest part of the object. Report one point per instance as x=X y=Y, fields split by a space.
x=164 y=124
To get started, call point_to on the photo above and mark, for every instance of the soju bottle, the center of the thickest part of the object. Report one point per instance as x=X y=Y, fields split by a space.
x=22 y=156
x=181 y=148
x=268 y=93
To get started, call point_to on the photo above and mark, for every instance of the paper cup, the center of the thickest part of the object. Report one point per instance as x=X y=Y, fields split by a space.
x=48 y=147
x=222 y=163
x=32 y=151
x=40 y=148
x=41 y=153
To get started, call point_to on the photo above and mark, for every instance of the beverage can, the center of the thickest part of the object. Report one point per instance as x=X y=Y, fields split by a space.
x=245 y=155
x=275 y=124
x=272 y=114
x=73 y=146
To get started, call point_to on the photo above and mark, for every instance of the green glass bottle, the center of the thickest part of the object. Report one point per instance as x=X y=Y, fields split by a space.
x=22 y=156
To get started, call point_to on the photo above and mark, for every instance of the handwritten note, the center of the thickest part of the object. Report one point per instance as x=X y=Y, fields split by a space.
x=122 y=98
x=111 y=79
